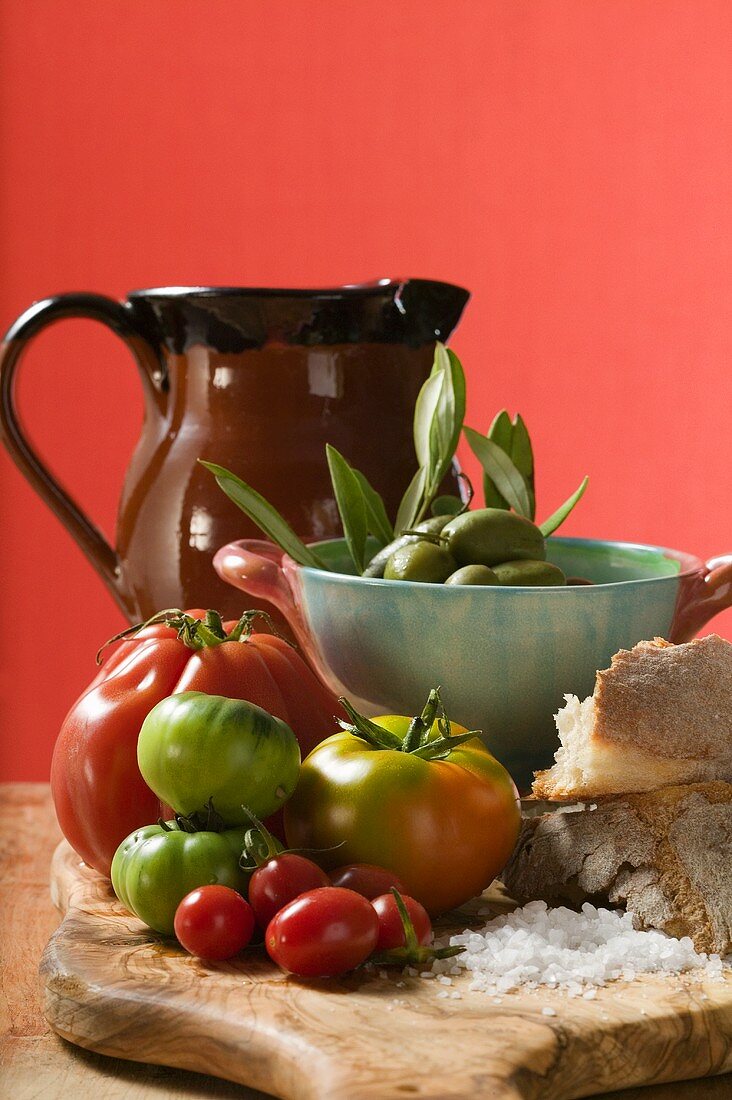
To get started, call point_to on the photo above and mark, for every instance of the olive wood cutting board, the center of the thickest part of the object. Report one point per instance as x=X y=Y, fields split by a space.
x=114 y=987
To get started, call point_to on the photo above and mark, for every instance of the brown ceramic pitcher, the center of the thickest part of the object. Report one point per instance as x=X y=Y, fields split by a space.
x=257 y=380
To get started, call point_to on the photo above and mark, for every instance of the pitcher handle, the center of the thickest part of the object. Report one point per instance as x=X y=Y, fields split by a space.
x=117 y=317
x=708 y=593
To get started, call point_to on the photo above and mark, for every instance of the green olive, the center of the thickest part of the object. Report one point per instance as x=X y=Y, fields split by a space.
x=492 y=535
x=473 y=574
x=431 y=526
x=419 y=561
x=536 y=574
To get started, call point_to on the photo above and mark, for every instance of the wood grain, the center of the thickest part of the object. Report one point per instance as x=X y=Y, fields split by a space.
x=114 y=988
x=35 y=1064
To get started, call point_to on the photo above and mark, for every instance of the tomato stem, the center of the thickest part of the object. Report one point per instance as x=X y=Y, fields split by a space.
x=214 y=623
x=159 y=617
x=417 y=740
x=197 y=633
x=200 y=636
x=441 y=747
x=421 y=724
x=410 y=936
x=207 y=820
x=259 y=844
x=376 y=736
x=413 y=953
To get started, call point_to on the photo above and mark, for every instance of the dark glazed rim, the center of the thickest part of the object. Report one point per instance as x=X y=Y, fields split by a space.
x=414 y=312
x=348 y=290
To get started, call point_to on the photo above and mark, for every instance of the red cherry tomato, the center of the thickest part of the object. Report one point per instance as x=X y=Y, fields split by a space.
x=214 y=922
x=391 y=929
x=323 y=933
x=281 y=880
x=366 y=879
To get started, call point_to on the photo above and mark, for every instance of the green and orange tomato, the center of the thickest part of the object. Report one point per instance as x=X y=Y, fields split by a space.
x=421 y=797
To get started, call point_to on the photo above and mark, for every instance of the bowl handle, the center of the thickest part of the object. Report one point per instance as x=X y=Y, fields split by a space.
x=702 y=597
x=256 y=567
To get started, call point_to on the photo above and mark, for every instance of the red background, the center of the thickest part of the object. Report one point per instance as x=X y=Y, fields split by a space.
x=567 y=160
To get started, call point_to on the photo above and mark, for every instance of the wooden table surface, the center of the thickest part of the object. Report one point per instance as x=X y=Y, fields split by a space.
x=35 y=1063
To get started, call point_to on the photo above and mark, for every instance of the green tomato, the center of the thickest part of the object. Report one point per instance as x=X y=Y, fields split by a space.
x=153 y=869
x=491 y=535
x=194 y=747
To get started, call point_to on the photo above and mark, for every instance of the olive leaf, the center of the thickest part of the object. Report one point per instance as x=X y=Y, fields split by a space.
x=379 y=525
x=425 y=411
x=351 y=506
x=513 y=438
x=450 y=413
x=556 y=518
x=267 y=518
x=438 y=419
x=501 y=470
x=410 y=505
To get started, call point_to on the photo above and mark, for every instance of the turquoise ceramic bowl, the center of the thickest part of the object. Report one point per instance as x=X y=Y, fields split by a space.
x=504 y=657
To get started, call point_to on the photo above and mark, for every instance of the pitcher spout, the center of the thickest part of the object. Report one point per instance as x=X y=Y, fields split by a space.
x=435 y=307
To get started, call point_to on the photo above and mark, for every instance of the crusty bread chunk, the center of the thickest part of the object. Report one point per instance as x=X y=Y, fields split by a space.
x=660 y=715
x=664 y=855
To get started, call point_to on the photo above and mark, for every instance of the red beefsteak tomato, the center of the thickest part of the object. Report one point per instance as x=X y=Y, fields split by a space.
x=99 y=794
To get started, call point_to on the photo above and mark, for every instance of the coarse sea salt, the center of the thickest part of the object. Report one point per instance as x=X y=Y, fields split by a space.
x=575 y=952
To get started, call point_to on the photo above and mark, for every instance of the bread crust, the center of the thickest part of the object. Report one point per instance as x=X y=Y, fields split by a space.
x=662 y=715
x=669 y=700
x=665 y=855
